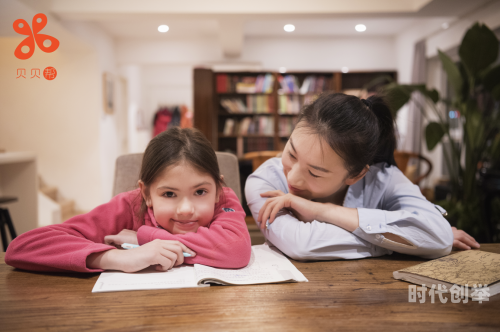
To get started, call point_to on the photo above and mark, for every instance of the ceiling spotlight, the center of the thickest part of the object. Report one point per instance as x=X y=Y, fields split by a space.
x=282 y=70
x=445 y=25
x=163 y=28
x=289 y=27
x=345 y=69
x=360 y=27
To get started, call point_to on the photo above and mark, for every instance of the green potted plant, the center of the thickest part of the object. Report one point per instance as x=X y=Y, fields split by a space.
x=475 y=82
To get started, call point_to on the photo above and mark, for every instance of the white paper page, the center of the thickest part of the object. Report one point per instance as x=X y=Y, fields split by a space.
x=177 y=277
x=267 y=265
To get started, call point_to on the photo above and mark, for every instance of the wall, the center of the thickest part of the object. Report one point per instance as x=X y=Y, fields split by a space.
x=110 y=134
x=58 y=120
x=162 y=69
x=54 y=119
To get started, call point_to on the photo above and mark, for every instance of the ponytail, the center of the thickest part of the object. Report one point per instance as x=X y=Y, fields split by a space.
x=387 y=138
x=361 y=132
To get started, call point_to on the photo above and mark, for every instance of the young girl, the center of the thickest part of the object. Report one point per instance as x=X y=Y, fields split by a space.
x=337 y=194
x=180 y=207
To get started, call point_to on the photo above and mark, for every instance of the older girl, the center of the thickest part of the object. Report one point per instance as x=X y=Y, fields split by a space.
x=337 y=194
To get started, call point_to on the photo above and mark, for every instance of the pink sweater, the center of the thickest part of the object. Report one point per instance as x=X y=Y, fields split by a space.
x=225 y=243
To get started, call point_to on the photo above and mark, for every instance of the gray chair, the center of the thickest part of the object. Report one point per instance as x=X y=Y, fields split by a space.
x=128 y=167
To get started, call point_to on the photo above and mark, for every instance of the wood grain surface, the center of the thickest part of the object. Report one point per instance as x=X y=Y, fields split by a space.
x=340 y=295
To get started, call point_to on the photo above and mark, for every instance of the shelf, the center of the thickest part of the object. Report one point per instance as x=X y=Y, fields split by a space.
x=245 y=114
x=245 y=136
x=288 y=114
x=301 y=94
x=243 y=94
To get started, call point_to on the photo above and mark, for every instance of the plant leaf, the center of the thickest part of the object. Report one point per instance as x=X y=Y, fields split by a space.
x=397 y=96
x=434 y=132
x=495 y=92
x=491 y=78
x=479 y=49
x=454 y=77
x=433 y=95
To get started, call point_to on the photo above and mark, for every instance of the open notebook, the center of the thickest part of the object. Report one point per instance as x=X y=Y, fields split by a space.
x=267 y=265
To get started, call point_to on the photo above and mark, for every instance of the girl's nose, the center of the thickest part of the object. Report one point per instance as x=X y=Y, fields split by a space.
x=293 y=177
x=185 y=208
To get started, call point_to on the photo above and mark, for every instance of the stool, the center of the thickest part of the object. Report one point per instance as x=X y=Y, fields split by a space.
x=5 y=219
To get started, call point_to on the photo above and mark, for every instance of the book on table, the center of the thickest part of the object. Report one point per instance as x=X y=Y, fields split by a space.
x=267 y=265
x=474 y=269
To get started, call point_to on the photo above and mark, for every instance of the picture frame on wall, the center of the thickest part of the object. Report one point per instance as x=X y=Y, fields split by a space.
x=108 y=93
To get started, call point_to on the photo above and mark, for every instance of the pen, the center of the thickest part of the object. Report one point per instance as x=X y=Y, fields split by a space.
x=132 y=246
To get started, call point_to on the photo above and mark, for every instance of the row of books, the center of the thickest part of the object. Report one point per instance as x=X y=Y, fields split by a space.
x=294 y=103
x=286 y=126
x=258 y=144
x=244 y=84
x=254 y=104
x=289 y=104
x=257 y=125
x=311 y=84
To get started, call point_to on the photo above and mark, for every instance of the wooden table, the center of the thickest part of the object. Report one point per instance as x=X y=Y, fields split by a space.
x=344 y=295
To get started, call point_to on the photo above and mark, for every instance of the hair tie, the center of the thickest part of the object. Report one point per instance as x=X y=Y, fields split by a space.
x=367 y=103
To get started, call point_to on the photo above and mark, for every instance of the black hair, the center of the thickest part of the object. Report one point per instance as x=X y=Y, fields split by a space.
x=174 y=146
x=360 y=131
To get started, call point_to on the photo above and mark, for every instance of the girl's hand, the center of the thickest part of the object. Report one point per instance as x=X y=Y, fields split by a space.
x=303 y=209
x=125 y=236
x=462 y=240
x=165 y=254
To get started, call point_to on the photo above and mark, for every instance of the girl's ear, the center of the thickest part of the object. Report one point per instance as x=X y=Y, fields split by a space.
x=145 y=193
x=353 y=180
x=219 y=191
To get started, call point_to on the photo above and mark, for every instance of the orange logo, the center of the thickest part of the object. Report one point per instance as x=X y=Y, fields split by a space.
x=49 y=73
x=39 y=22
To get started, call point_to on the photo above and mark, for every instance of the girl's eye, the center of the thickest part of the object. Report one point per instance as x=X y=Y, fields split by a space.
x=291 y=155
x=169 y=194
x=201 y=192
x=316 y=176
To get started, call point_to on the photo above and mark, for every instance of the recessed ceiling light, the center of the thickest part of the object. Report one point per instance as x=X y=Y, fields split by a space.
x=289 y=27
x=163 y=28
x=445 y=25
x=282 y=70
x=345 y=69
x=360 y=27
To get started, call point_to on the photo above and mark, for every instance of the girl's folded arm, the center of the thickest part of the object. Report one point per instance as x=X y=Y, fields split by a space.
x=65 y=246
x=225 y=244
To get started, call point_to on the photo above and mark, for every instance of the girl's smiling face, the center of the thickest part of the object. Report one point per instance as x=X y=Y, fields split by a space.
x=313 y=170
x=182 y=198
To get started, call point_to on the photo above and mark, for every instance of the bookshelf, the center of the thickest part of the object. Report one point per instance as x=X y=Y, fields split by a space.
x=243 y=112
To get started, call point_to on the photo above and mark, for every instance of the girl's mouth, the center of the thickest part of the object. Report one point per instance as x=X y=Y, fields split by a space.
x=293 y=189
x=185 y=224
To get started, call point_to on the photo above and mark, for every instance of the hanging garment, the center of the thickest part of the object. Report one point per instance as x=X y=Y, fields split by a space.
x=161 y=121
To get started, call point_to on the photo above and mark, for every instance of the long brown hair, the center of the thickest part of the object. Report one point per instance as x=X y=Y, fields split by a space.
x=173 y=146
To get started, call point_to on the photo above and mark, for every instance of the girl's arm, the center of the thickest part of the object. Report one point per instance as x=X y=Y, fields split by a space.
x=403 y=220
x=303 y=240
x=66 y=246
x=225 y=244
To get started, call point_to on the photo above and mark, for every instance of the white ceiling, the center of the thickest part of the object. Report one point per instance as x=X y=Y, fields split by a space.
x=231 y=21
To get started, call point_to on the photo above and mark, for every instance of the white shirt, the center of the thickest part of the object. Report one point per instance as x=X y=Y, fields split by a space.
x=387 y=202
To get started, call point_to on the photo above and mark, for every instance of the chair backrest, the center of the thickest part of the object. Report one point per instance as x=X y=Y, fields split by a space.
x=259 y=157
x=402 y=158
x=128 y=168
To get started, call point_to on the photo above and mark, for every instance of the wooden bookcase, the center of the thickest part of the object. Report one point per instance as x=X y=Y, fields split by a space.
x=210 y=116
